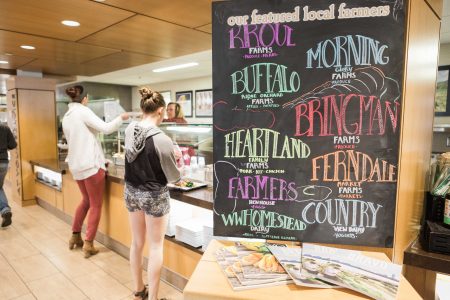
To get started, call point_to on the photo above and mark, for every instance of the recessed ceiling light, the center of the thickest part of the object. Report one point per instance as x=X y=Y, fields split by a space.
x=182 y=66
x=27 y=47
x=100 y=0
x=4 y=62
x=70 y=23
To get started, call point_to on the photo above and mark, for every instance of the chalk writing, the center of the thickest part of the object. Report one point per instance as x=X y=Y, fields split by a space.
x=264 y=143
x=347 y=51
x=350 y=165
x=265 y=78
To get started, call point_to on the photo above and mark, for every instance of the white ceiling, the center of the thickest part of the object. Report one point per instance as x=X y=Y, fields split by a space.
x=143 y=74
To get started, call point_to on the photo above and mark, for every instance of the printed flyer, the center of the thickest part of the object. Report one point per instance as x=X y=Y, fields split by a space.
x=375 y=278
x=250 y=268
x=291 y=260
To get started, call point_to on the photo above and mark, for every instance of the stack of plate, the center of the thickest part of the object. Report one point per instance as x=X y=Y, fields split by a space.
x=190 y=232
x=179 y=211
x=208 y=234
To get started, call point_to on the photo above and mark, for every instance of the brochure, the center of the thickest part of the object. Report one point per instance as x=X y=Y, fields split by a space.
x=290 y=259
x=229 y=259
x=375 y=278
x=260 y=263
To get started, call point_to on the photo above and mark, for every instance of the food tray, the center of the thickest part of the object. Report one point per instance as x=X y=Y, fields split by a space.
x=197 y=184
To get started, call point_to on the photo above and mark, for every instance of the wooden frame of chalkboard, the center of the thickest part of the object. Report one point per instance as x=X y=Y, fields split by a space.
x=184 y=98
x=442 y=96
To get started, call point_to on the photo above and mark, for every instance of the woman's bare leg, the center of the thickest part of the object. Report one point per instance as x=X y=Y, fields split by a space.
x=156 y=229
x=137 y=224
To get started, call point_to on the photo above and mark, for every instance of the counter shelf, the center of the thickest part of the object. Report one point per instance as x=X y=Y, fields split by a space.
x=49 y=173
x=421 y=267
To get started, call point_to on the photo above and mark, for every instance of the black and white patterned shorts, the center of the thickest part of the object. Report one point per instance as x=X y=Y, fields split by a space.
x=154 y=203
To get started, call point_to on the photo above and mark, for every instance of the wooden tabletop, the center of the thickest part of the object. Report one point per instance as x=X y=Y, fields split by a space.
x=208 y=282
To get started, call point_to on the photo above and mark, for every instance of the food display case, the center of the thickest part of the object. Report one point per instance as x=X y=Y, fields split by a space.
x=194 y=140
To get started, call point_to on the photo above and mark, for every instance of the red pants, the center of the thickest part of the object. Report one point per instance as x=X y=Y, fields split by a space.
x=92 y=189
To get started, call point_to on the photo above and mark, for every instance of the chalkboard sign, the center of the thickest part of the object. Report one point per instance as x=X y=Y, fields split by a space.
x=307 y=113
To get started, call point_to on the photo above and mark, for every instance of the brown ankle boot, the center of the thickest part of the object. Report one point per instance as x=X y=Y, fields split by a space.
x=75 y=241
x=89 y=249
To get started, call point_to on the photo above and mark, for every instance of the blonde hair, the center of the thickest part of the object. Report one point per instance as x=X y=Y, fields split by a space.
x=178 y=110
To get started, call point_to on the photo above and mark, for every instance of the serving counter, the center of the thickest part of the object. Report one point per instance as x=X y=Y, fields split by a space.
x=180 y=259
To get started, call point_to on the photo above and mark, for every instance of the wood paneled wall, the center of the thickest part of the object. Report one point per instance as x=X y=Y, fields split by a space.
x=422 y=48
x=14 y=179
x=38 y=137
x=32 y=109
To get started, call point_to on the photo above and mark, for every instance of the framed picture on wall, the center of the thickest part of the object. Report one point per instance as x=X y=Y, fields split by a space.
x=167 y=96
x=203 y=103
x=185 y=101
x=442 y=97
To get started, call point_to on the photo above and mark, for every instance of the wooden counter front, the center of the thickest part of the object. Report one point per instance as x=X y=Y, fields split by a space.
x=209 y=282
x=114 y=229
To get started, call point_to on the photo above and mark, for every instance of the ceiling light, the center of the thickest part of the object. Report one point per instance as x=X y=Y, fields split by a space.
x=28 y=47
x=182 y=66
x=188 y=129
x=70 y=23
x=4 y=62
x=99 y=0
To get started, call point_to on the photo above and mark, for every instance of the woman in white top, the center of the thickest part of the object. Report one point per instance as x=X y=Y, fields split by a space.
x=86 y=163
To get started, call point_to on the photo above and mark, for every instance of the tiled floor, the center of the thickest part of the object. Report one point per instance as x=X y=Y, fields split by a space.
x=35 y=263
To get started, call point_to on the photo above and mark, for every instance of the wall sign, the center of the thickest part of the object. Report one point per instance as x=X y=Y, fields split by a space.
x=307 y=109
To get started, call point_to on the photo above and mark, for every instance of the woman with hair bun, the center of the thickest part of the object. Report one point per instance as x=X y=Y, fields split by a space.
x=149 y=165
x=86 y=163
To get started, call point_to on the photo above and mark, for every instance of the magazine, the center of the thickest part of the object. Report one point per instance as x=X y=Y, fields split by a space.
x=260 y=263
x=290 y=260
x=229 y=260
x=375 y=278
x=227 y=269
